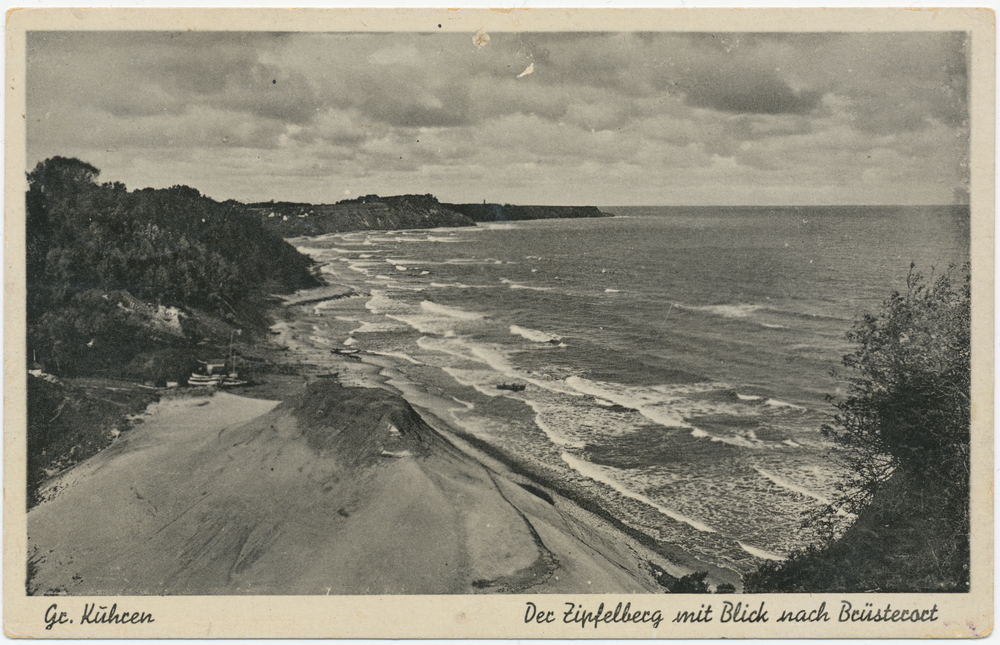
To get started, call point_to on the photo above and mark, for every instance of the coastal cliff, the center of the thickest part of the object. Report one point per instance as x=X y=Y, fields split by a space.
x=290 y=219
x=399 y=212
x=509 y=213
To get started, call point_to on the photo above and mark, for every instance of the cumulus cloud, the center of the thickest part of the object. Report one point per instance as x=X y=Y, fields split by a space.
x=662 y=116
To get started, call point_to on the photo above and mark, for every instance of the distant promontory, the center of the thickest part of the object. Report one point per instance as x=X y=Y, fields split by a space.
x=373 y=212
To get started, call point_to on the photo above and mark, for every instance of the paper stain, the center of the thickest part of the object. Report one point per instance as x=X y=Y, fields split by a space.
x=481 y=38
x=527 y=70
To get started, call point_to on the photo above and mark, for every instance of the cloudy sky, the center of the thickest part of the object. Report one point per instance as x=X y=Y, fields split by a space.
x=603 y=118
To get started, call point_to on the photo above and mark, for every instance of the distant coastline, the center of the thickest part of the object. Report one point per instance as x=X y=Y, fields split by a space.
x=399 y=212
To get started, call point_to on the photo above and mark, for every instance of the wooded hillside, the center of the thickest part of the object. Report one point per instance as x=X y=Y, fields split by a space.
x=113 y=272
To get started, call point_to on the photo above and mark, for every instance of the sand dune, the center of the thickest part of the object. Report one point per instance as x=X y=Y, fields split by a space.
x=338 y=490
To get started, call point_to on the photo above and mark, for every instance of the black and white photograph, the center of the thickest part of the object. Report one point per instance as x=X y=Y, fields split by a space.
x=621 y=325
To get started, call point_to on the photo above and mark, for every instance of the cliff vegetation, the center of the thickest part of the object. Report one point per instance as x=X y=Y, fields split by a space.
x=905 y=431
x=372 y=212
x=132 y=287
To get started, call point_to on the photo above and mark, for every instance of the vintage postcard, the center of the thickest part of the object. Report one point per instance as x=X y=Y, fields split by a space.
x=499 y=324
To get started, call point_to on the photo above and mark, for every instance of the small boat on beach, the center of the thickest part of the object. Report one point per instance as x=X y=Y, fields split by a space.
x=219 y=379
x=204 y=380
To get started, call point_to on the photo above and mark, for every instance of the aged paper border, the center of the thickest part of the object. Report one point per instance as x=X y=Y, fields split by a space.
x=961 y=615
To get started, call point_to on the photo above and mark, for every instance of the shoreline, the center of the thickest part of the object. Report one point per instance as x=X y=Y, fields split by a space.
x=179 y=505
x=566 y=541
x=381 y=372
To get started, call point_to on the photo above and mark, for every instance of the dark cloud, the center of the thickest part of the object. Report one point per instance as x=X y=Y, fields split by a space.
x=746 y=91
x=907 y=79
x=784 y=104
x=271 y=92
x=137 y=74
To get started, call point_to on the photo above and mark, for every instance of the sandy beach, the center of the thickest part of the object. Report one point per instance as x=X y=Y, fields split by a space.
x=340 y=476
x=331 y=490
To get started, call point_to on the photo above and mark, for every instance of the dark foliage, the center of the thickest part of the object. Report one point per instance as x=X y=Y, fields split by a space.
x=692 y=583
x=131 y=285
x=908 y=406
x=69 y=423
x=508 y=213
x=101 y=258
x=904 y=430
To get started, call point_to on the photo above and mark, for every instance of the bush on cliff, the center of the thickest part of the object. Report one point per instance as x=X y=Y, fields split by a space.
x=904 y=429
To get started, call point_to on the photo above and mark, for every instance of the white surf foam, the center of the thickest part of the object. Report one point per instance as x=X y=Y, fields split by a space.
x=380 y=303
x=792 y=487
x=775 y=403
x=495 y=359
x=451 y=312
x=467 y=261
x=747 y=397
x=468 y=406
x=611 y=291
x=473 y=379
x=761 y=553
x=726 y=311
x=514 y=285
x=743 y=442
x=405 y=357
x=533 y=335
x=597 y=473
x=555 y=437
x=648 y=407
x=426 y=324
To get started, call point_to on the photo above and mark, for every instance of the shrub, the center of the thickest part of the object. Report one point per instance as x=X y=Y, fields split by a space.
x=908 y=403
x=905 y=430
x=692 y=583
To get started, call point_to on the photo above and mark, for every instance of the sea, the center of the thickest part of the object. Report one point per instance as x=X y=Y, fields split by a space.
x=676 y=362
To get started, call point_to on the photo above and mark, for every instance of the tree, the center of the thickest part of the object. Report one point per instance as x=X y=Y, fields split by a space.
x=54 y=187
x=908 y=404
x=60 y=174
x=904 y=429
